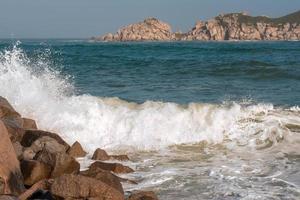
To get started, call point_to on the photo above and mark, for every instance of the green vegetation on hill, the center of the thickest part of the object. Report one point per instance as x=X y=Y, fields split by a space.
x=291 y=18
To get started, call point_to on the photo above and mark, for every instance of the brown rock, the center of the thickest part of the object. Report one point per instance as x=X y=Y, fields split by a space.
x=61 y=163
x=41 y=185
x=11 y=180
x=19 y=150
x=29 y=124
x=114 y=167
x=104 y=176
x=100 y=154
x=34 y=171
x=8 y=197
x=76 y=150
x=143 y=195
x=32 y=135
x=6 y=110
x=49 y=144
x=81 y=187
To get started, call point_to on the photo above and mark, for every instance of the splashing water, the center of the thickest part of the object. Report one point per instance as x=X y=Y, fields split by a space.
x=112 y=123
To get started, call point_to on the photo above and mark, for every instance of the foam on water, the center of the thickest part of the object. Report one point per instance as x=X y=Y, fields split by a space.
x=36 y=91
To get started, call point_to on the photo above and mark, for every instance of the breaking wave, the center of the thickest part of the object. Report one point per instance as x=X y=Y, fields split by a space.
x=41 y=93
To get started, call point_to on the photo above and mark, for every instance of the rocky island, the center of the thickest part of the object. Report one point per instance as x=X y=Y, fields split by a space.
x=233 y=26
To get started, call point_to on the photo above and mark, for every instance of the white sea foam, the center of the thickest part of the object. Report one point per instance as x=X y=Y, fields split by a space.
x=112 y=123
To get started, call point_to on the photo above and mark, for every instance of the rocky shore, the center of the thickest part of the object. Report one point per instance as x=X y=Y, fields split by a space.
x=233 y=26
x=36 y=164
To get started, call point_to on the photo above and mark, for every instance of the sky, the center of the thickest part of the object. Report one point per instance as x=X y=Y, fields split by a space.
x=86 y=18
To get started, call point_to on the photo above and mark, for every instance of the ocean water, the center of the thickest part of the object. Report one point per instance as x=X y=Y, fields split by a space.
x=200 y=120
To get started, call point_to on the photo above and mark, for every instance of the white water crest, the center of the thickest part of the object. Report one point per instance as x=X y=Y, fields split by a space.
x=38 y=92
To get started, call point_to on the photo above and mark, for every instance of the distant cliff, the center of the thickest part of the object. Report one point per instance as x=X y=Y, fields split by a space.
x=233 y=26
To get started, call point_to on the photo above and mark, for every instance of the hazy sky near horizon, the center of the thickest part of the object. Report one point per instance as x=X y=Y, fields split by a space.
x=86 y=18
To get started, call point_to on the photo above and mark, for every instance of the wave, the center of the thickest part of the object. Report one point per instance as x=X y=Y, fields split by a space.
x=39 y=92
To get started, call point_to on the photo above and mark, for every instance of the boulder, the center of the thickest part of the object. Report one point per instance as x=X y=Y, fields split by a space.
x=38 y=191
x=49 y=144
x=19 y=150
x=143 y=195
x=11 y=180
x=80 y=187
x=100 y=154
x=60 y=163
x=33 y=171
x=114 y=167
x=76 y=150
x=7 y=111
x=29 y=124
x=32 y=135
x=104 y=176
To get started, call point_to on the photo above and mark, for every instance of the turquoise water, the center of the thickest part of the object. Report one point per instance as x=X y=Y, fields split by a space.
x=199 y=120
x=178 y=72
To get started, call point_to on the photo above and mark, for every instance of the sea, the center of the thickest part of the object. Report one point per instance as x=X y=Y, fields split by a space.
x=199 y=120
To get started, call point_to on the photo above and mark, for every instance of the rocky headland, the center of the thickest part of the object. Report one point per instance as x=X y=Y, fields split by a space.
x=37 y=164
x=233 y=26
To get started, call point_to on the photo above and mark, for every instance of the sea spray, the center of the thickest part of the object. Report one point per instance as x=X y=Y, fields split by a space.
x=39 y=92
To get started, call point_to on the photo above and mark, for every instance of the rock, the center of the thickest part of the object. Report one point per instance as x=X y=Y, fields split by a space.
x=11 y=180
x=100 y=154
x=114 y=167
x=232 y=26
x=76 y=150
x=81 y=187
x=18 y=150
x=8 y=197
x=120 y=157
x=104 y=176
x=61 y=163
x=29 y=124
x=28 y=154
x=6 y=110
x=34 y=190
x=143 y=195
x=33 y=171
x=49 y=144
x=14 y=128
x=32 y=135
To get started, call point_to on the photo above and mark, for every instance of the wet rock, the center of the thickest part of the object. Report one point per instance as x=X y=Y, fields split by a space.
x=143 y=195
x=34 y=171
x=81 y=187
x=32 y=135
x=100 y=154
x=11 y=180
x=29 y=124
x=104 y=176
x=61 y=163
x=114 y=167
x=76 y=150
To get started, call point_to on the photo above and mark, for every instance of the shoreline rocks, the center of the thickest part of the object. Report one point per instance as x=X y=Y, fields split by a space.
x=232 y=26
x=43 y=161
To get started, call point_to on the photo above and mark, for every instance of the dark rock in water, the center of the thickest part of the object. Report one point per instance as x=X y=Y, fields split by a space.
x=32 y=135
x=143 y=195
x=104 y=176
x=34 y=171
x=81 y=187
x=61 y=163
x=76 y=150
x=114 y=167
x=100 y=154
x=11 y=180
x=29 y=124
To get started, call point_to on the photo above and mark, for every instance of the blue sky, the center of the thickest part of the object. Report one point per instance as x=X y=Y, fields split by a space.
x=86 y=18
